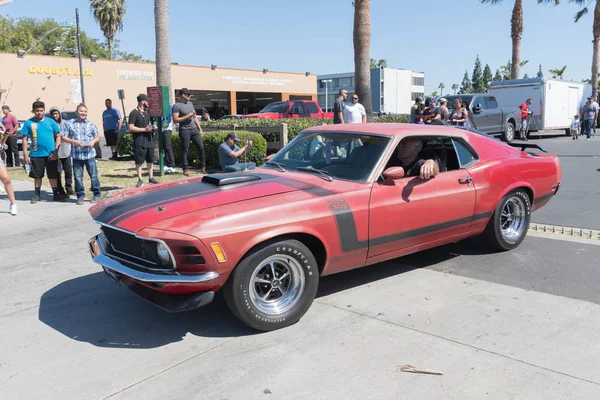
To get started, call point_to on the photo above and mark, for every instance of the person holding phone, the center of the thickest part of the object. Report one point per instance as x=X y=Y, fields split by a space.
x=143 y=142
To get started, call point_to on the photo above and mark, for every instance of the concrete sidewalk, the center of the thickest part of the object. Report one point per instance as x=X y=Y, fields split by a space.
x=68 y=332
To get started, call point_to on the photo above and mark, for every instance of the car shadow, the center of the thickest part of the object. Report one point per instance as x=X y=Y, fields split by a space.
x=94 y=310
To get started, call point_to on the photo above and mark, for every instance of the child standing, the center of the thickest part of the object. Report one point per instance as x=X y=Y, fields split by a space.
x=575 y=127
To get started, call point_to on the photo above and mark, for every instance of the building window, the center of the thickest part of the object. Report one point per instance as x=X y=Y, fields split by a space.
x=415 y=95
x=417 y=81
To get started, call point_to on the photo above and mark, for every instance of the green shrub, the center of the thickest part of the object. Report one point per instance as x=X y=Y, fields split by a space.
x=125 y=144
x=392 y=118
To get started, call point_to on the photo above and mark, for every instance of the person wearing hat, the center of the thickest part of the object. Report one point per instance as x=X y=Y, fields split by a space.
x=184 y=114
x=143 y=142
x=229 y=153
x=443 y=112
x=589 y=116
x=11 y=124
x=431 y=111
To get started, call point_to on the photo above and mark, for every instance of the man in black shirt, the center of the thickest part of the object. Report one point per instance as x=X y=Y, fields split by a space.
x=143 y=142
x=338 y=107
x=184 y=114
x=415 y=161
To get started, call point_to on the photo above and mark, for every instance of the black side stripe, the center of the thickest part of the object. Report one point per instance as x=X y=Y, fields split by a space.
x=543 y=198
x=347 y=228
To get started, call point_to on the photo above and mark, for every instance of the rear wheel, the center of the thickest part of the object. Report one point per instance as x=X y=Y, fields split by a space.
x=509 y=223
x=274 y=286
x=509 y=134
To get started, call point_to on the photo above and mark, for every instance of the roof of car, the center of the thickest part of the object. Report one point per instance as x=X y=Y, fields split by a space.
x=392 y=129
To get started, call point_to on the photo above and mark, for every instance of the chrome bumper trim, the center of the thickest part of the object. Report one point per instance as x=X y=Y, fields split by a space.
x=97 y=245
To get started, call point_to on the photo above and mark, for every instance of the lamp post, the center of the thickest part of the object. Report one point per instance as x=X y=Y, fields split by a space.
x=326 y=94
x=79 y=53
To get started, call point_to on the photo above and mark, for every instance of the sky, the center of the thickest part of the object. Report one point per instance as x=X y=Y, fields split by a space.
x=441 y=39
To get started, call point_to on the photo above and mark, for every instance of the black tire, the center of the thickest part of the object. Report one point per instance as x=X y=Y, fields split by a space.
x=505 y=232
x=568 y=132
x=246 y=300
x=509 y=134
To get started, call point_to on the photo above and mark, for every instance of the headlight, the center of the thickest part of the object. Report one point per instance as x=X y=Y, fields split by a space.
x=163 y=253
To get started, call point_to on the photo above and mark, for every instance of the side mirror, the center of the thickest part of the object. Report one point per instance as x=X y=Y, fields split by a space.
x=477 y=109
x=392 y=174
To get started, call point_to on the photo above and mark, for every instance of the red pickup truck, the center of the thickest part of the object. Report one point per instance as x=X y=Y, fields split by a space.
x=292 y=109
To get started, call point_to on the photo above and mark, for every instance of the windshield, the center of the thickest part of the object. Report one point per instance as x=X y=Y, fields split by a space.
x=339 y=155
x=451 y=99
x=278 y=107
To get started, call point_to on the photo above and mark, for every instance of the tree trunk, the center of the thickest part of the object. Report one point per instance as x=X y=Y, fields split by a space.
x=110 y=48
x=163 y=53
x=362 y=58
x=516 y=32
x=596 y=50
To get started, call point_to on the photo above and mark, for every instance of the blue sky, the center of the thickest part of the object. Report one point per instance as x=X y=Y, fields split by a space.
x=441 y=39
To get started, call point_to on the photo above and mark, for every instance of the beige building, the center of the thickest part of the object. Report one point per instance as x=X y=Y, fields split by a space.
x=222 y=91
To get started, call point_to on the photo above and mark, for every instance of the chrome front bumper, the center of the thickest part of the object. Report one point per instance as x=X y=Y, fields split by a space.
x=98 y=244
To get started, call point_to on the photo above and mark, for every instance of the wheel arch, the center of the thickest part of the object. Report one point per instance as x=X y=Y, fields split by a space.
x=314 y=243
x=518 y=185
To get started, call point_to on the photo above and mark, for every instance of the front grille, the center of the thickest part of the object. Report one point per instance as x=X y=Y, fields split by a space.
x=130 y=248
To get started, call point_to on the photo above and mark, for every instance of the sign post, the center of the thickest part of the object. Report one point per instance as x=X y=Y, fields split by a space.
x=121 y=93
x=159 y=106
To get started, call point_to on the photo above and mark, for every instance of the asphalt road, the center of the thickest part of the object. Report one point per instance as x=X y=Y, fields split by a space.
x=519 y=324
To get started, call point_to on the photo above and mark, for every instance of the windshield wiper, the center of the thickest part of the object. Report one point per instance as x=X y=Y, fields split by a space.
x=277 y=164
x=324 y=174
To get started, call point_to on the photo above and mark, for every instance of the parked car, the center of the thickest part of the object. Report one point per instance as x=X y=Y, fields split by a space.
x=488 y=116
x=292 y=109
x=324 y=204
x=555 y=101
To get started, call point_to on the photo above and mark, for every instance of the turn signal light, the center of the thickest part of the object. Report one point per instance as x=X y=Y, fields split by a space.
x=219 y=253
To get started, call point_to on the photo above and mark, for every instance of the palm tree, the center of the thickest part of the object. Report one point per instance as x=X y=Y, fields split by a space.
x=373 y=63
x=454 y=87
x=109 y=15
x=441 y=87
x=596 y=41
x=560 y=72
x=362 y=50
x=163 y=54
x=382 y=63
x=516 y=32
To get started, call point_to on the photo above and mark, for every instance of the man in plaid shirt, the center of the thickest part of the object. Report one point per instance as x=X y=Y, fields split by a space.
x=83 y=134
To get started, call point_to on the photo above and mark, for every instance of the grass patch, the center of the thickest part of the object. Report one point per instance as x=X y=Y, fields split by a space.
x=113 y=175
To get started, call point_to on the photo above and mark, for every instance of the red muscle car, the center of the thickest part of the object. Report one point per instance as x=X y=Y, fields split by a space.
x=332 y=200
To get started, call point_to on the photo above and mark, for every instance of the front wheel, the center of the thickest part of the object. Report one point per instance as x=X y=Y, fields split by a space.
x=509 y=223
x=509 y=134
x=274 y=286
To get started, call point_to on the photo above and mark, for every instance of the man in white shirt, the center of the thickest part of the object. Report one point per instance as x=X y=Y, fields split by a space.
x=355 y=113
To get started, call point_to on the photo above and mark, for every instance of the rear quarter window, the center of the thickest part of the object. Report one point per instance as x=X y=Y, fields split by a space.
x=311 y=108
x=466 y=156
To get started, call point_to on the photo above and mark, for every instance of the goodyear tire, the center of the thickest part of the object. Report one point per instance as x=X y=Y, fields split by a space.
x=273 y=286
x=509 y=224
x=509 y=134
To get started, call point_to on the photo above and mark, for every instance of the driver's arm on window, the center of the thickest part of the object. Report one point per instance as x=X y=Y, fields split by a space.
x=429 y=169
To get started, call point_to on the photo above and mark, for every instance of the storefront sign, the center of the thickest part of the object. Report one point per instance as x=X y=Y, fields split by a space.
x=135 y=75
x=263 y=81
x=59 y=71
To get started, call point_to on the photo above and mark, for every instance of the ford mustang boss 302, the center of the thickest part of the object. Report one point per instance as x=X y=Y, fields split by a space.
x=335 y=198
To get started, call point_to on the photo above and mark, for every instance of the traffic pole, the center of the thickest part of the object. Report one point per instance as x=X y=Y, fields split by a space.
x=79 y=53
x=161 y=150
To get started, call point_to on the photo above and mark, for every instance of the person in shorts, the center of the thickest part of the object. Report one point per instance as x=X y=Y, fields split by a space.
x=525 y=113
x=143 y=142
x=111 y=122
x=43 y=156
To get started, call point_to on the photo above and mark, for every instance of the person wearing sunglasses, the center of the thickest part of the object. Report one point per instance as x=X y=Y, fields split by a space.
x=354 y=112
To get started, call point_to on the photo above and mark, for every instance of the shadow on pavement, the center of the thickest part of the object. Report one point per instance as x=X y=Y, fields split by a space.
x=92 y=309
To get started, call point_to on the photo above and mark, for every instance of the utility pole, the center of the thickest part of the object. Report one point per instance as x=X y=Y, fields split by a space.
x=79 y=53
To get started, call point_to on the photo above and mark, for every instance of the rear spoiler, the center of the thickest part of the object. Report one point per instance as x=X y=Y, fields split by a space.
x=524 y=146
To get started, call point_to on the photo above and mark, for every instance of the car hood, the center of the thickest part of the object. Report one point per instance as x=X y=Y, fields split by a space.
x=136 y=209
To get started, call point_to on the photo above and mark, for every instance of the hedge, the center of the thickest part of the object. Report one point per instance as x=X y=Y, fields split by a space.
x=212 y=141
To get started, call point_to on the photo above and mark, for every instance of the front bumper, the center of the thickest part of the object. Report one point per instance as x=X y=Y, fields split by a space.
x=168 y=302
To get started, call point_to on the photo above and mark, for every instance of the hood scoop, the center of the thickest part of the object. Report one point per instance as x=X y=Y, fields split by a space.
x=229 y=178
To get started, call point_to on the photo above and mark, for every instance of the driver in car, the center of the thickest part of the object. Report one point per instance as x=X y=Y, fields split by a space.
x=415 y=161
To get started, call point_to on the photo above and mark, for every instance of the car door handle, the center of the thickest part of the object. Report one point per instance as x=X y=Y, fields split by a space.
x=466 y=180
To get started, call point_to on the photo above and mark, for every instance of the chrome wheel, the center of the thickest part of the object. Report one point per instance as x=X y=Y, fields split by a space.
x=513 y=218
x=276 y=285
x=510 y=132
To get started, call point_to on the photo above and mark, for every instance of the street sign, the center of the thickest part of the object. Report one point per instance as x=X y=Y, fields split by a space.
x=121 y=94
x=158 y=101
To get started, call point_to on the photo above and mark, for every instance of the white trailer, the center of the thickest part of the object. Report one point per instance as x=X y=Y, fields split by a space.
x=555 y=101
